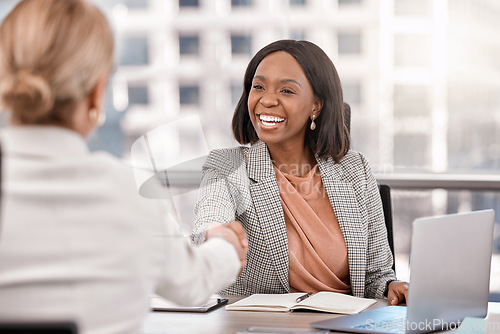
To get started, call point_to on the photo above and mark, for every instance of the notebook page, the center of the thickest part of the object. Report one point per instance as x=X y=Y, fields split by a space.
x=265 y=302
x=335 y=303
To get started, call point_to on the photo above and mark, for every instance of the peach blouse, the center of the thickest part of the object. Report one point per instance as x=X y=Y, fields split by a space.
x=317 y=250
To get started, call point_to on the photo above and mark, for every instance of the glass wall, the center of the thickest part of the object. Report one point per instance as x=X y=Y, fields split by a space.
x=422 y=78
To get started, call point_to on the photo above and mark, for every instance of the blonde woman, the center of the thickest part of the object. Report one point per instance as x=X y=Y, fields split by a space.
x=77 y=242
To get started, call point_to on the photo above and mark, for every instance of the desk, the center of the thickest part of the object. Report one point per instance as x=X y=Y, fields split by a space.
x=221 y=321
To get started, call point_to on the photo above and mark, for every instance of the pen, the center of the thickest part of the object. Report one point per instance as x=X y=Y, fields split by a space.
x=301 y=298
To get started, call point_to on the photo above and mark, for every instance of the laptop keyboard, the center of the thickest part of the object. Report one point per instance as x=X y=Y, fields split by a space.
x=392 y=325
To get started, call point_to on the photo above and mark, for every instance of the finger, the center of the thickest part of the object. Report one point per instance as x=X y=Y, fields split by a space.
x=395 y=296
x=405 y=291
x=240 y=232
x=243 y=264
x=402 y=293
x=391 y=297
x=242 y=255
x=239 y=250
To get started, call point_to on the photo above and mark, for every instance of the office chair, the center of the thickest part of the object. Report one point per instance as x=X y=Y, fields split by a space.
x=385 y=195
x=38 y=328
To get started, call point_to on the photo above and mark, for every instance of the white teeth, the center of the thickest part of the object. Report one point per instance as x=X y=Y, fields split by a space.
x=271 y=119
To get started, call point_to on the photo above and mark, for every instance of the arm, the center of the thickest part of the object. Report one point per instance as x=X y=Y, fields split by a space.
x=189 y=274
x=379 y=257
x=215 y=203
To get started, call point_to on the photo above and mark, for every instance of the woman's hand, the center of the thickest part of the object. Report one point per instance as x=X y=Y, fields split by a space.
x=397 y=292
x=235 y=234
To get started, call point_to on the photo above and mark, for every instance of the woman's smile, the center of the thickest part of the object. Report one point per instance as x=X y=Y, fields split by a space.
x=270 y=122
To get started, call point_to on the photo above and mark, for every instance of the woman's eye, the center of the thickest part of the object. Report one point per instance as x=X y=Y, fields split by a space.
x=287 y=91
x=257 y=87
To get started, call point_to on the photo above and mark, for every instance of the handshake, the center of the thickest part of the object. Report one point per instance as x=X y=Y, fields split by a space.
x=233 y=233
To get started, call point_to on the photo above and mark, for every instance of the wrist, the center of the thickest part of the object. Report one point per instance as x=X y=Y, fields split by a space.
x=214 y=231
x=387 y=286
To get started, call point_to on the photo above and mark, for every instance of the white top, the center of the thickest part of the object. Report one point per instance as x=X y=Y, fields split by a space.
x=78 y=243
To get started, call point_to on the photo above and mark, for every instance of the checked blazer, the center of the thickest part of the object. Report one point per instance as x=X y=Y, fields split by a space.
x=240 y=184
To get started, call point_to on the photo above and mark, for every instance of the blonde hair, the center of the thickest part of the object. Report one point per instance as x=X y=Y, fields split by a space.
x=52 y=54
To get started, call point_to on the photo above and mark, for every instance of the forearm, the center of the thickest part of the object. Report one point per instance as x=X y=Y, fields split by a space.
x=215 y=204
x=192 y=274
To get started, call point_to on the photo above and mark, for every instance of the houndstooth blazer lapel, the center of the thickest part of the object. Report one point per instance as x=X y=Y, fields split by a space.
x=343 y=198
x=267 y=202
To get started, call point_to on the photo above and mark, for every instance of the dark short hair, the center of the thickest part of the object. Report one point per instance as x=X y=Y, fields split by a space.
x=331 y=136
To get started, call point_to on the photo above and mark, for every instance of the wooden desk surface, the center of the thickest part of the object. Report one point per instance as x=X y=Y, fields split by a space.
x=221 y=321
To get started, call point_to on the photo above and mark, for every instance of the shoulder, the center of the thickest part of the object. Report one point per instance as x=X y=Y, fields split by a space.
x=353 y=157
x=119 y=178
x=227 y=159
x=355 y=165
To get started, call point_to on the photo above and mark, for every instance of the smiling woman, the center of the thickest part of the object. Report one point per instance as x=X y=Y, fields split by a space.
x=310 y=206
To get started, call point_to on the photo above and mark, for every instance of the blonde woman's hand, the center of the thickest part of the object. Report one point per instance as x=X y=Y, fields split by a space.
x=233 y=233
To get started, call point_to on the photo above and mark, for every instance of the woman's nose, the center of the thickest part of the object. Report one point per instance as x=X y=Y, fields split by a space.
x=269 y=99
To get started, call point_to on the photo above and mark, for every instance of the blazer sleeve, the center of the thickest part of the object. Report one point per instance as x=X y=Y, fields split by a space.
x=216 y=203
x=190 y=274
x=379 y=256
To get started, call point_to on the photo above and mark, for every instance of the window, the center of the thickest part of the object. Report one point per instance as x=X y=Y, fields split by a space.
x=349 y=2
x=419 y=96
x=411 y=50
x=412 y=150
x=189 y=45
x=138 y=95
x=241 y=45
x=349 y=43
x=137 y=4
x=109 y=137
x=352 y=92
x=134 y=51
x=236 y=91
x=297 y=35
x=189 y=3
x=241 y=3
x=473 y=135
x=189 y=94
x=412 y=7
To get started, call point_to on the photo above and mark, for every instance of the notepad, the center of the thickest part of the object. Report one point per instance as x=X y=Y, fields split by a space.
x=162 y=305
x=323 y=301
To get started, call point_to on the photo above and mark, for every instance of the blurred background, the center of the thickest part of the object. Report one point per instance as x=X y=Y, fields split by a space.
x=422 y=78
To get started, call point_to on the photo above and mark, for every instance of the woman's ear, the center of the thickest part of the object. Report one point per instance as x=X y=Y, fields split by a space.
x=317 y=107
x=96 y=96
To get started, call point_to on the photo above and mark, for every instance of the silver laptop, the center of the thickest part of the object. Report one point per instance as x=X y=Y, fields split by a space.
x=449 y=278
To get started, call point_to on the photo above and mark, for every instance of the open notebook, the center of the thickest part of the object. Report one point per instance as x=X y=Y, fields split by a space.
x=330 y=302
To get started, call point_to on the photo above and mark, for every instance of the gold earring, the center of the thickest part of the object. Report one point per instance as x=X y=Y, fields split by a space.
x=93 y=115
x=313 y=125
